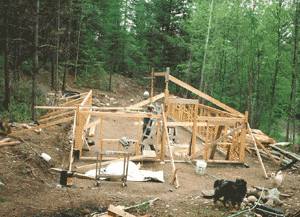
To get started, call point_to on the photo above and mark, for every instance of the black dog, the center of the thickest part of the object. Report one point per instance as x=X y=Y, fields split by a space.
x=231 y=191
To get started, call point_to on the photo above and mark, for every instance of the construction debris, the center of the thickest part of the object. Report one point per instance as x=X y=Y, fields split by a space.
x=135 y=174
x=46 y=157
x=7 y=141
x=122 y=211
x=261 y=137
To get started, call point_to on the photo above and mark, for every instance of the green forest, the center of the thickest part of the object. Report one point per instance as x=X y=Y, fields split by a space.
x=243 y=52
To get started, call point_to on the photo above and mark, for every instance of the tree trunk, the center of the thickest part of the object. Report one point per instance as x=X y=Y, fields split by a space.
x=52 y=70
x=110 y=80
x=6 y=102
x=77 y=50
x=277 y=65
x=57 y=49
x=292 y=103
x=68 y=48
x=257 y=110
x=206 y=46
x=35 y=60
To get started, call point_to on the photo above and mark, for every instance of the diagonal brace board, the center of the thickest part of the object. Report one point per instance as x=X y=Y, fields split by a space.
x=147 y=101
x=201 y=94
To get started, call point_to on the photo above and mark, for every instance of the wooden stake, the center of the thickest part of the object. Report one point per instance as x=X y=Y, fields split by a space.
x=71 y=159
x=169 y=147
x=257 y=152
x=194 y=132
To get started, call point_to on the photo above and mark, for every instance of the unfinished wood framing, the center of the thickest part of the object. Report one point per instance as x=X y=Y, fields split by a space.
x=219 y=128
x=209 y=124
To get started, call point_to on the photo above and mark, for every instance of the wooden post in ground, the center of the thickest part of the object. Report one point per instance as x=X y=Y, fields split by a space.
x=100 y=135
x=165 y=129
x=194 y=131
x=158 y=137
x=139 y=137
x=206 y=148
x=166 y=90
x=243 y=139
x=78 y=131
x=163 y=145
x=71 y=159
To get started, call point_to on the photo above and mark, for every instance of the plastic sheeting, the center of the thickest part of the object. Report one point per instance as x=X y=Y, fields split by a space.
x=134 y=172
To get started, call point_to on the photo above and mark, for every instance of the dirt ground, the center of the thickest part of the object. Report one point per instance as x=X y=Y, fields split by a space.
x=30 y=189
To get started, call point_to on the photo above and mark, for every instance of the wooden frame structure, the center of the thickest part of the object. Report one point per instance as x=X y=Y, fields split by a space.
x=220 y=128
x=223 y=128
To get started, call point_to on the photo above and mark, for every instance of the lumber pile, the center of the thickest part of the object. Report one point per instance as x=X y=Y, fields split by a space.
x=59 y=114
x=270 y=150
x=261 y=137
x=278 y=155
x=289 y=159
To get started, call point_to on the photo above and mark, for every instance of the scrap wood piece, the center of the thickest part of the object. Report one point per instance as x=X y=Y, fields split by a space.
x=5 y=140
x=115 y=211
x=60 y=121
x=9 y=143
x=61 y=114
x=169 y=147
x=257 y=152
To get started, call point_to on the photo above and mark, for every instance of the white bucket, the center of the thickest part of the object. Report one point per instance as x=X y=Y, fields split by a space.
x=200 y=167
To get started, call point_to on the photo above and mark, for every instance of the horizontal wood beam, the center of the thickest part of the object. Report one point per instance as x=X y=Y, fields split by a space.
x=159 y=74
x=55 y=107
x=224 y=161
x=183 y=101
x=88 y=107
x=220 y=119
x=212 y=109
x=190 y=124
x=121 y=114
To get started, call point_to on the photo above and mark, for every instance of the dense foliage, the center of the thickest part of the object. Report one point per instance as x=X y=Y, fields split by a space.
x=243 y=52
